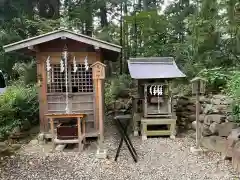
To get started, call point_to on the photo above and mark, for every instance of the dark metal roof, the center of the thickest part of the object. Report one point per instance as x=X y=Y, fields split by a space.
x=154 y=68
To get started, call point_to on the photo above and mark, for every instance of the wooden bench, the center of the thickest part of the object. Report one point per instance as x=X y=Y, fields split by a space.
x=170 y=123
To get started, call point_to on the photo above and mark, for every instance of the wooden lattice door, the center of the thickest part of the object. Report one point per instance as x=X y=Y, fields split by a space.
x=80 y=91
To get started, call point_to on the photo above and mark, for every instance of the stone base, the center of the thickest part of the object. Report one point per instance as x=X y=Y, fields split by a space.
x=60 y=147
x=135 y=133
x=194 y=150
x=172 y=137
x=144 y=137
x=101 y=153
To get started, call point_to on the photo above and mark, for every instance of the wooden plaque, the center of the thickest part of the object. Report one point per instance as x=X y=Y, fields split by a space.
x=98 y=70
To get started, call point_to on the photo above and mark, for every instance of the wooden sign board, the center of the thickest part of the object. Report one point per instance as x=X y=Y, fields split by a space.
x=98 y=70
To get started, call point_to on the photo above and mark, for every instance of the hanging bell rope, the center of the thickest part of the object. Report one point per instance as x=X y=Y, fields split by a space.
x=65 y=55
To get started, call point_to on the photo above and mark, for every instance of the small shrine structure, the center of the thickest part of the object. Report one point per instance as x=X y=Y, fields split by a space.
x=71 y=74
x=153 y=109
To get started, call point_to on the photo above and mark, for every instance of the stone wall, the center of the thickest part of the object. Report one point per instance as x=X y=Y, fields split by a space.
x=214 y=114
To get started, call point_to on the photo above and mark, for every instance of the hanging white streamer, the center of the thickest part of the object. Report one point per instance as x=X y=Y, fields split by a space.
x=75 y=68
x=61 y=65
x=86 y=63
x=48 y=64
x=48 y=67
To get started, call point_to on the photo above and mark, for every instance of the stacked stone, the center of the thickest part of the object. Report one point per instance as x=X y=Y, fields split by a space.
x=185 y=108
x=214 y=113
x=215 y=119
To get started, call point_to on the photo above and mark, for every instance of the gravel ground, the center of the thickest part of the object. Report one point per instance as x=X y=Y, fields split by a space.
x=160 y=159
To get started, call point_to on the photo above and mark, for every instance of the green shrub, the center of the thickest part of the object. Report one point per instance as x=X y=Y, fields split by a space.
x=217 y=78
x=18 y=105
x=233 y=90
x=116 y=87
x=26 y=72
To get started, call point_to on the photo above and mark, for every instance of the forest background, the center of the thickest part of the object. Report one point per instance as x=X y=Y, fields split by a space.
x=202 y=35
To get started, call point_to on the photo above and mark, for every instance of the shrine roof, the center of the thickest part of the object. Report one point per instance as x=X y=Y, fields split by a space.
x=154 y=68
x=61 y=33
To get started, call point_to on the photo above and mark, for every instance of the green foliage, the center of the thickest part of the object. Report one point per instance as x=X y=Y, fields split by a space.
x=26 y=72
x=233 y=90
x=116 y=87
x=18 y=105
x=181 y=88
x=233 y=85
x=217 y=78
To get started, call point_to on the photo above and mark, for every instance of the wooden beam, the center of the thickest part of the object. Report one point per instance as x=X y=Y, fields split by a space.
x=52 y=131
x=66 y=141
x=74 y=115
x=80 y=145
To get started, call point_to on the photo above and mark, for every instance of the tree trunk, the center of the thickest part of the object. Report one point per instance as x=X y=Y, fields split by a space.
x=103 y=15
x=126 y=42
x=139 y=5
x=121 y=40
x=89 y=18
x=145 y=5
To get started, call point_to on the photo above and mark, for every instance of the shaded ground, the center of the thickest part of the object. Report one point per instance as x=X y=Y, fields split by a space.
x=160 y=159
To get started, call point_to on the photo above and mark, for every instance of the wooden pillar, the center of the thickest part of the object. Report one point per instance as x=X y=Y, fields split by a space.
x=84 y=130
x=80 y=145
x=42 y=95
x=145 y=101
x=100 y=110
x=96 y=104
x=52 y=132
x=98 y=70
x=198 y=136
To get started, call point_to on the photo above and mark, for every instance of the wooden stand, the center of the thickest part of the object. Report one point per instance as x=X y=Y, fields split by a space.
x=80 y=126
x=198 y=87
x=171 y=123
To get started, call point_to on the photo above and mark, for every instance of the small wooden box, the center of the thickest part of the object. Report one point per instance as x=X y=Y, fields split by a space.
x=67 y=131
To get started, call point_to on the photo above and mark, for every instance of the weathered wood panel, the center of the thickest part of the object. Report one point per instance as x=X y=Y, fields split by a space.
x=58 y=45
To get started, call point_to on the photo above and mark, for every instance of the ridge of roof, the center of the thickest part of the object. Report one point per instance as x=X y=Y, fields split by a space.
x=58 y=34
x=151 y=60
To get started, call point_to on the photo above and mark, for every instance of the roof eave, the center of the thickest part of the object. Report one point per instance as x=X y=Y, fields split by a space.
x=158 y=77
x=58 y=34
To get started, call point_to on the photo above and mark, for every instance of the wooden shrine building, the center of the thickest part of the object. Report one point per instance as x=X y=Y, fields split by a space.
x=153 y=104
x=70 y=73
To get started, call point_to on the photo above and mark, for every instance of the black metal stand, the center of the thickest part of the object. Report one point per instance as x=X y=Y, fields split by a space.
x=124 y=136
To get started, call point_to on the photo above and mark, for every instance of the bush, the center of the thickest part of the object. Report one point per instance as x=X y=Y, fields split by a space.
x=217 y=78
x=119 y=86
x=18 y=105
x=233 y=90
x=26 y=72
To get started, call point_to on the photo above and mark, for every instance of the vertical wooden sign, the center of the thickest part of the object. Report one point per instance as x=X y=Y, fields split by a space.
x=98 y=70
